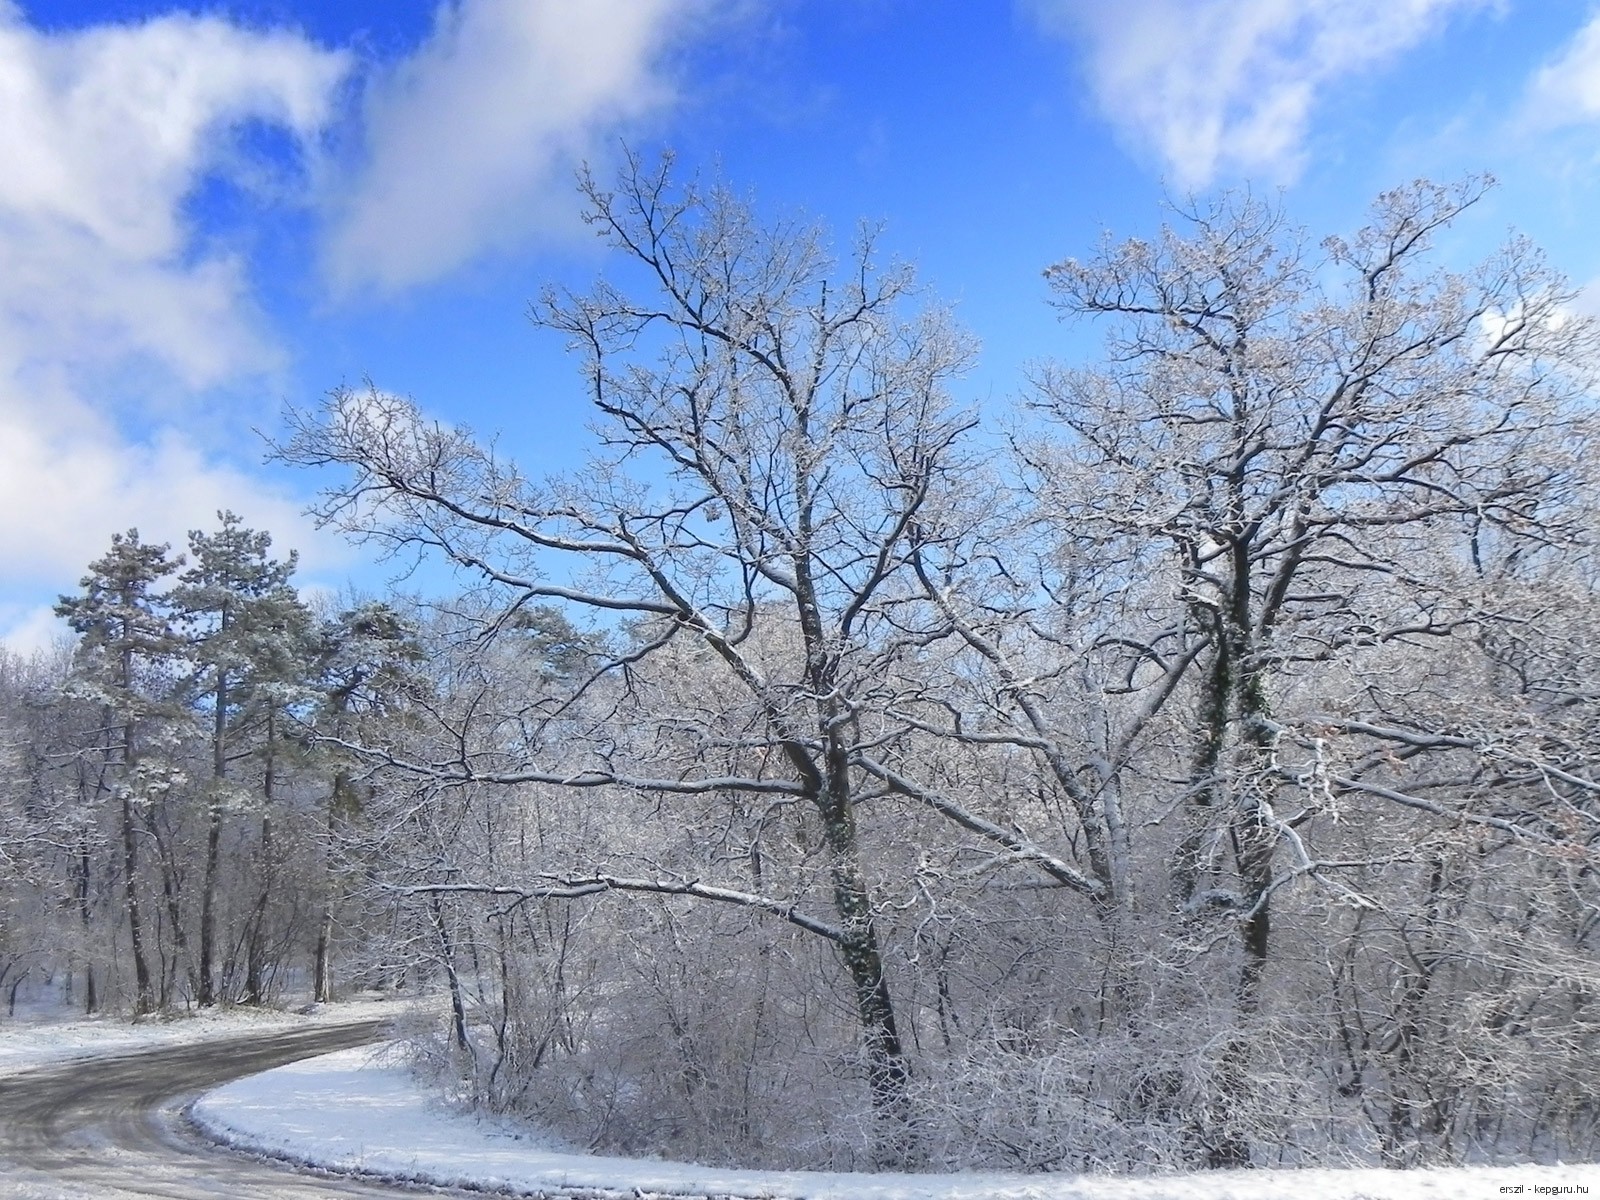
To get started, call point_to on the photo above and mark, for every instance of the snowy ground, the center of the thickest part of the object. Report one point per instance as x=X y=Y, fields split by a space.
x=43 y=1038
x=388 y=1126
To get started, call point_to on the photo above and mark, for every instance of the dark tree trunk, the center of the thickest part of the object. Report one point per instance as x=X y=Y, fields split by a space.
x=1232 y=780
x=144 y=992
x=170 y=895
x=255 y=992
x=447 y=952
x=888 y=1074
x=91 y=1000
x=208 y=890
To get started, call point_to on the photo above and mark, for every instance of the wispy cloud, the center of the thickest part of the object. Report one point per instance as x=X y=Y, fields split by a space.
x=30 y=630
x=469 y=144
x=1228 y=87
x=107 y=132
x=1566 y=90
x=112 y=292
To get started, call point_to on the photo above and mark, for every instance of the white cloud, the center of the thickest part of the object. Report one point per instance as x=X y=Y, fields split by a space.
x=29 y=631
x=68 y=300
x=104 y=128
x=1566 y=91
x=106 y=292
x=119 y=313
x=68 y=481
x=1228 y=86
x=106 y=132
x=469 y=144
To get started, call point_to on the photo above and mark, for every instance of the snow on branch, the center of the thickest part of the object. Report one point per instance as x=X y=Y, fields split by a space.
x=576 y=887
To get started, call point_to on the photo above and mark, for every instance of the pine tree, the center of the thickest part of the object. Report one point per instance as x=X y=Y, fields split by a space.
x=127 y=634
x=249 y=641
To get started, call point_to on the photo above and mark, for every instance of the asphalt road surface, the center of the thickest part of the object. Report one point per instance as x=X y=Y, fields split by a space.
x=113 y=1127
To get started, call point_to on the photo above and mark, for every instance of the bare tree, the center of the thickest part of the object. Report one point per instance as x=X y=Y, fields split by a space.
x=1317 y=446
x=1193 y=782
x=791 y=419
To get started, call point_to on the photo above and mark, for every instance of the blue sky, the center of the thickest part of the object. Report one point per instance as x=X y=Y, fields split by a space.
x=206 y=213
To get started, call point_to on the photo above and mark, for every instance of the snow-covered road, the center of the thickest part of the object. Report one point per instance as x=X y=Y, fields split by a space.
x=112 y=1126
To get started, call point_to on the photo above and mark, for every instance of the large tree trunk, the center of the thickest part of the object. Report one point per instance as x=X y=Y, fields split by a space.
x=321 y=980
x=91 y=1000
x=1232 y=775
x=1206 y=773
x=208 y=917
x=888 y=1075
x=1255 y=839
x=144 y=993
x=208 y=888
x=255 y=991
x=447 y=952
x=339 y=800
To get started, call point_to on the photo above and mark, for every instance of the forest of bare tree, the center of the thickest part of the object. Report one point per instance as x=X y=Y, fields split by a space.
x=1193 y=763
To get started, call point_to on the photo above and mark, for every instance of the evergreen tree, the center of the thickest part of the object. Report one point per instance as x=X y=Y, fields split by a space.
x=127 y=636
x=249 y=641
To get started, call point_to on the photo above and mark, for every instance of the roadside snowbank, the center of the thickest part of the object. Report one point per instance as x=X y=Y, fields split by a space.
x=36 y=1043
x=355 y=1110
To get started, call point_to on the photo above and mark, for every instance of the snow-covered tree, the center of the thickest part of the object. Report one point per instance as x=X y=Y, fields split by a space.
x=367 y=659
x=1315 y=451
x=1185 y=793
x=798 y=410
x=126 y=647
x=250 y=640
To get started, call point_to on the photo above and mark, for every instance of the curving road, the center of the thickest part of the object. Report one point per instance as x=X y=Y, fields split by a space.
x=110 y=1128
